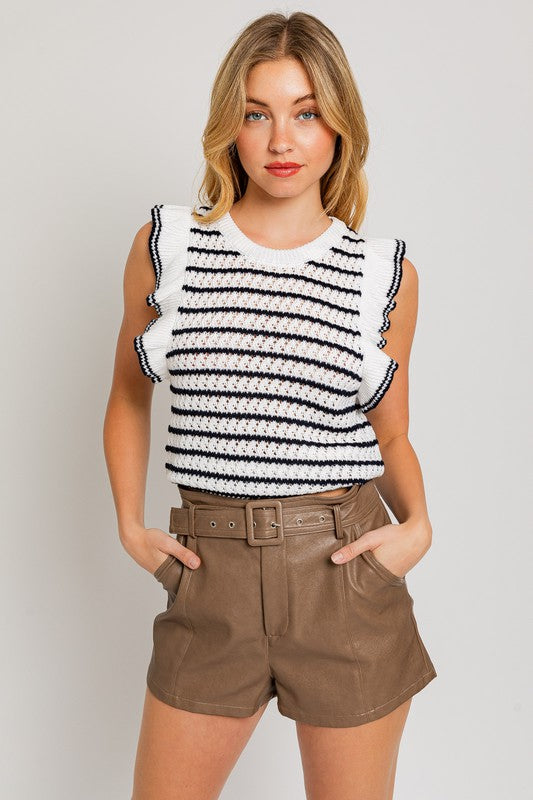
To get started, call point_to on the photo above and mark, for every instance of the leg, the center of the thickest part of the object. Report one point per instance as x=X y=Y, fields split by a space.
x=357 y=763
x=185 y=755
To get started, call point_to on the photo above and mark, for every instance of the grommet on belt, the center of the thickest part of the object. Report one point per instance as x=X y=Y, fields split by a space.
x=338 y=521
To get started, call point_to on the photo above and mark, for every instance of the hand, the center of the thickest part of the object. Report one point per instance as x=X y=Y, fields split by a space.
x=149 y=547
x=397 y=546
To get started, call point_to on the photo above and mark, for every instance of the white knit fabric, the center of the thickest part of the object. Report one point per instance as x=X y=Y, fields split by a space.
x=273 y=356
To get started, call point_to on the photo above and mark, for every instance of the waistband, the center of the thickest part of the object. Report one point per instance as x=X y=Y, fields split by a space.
x=268 y=520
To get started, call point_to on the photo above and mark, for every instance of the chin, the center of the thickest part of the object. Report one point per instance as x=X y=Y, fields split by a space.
x=282 y=191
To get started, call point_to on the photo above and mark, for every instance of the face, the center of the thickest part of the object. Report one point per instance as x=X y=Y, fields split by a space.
x=280 y=126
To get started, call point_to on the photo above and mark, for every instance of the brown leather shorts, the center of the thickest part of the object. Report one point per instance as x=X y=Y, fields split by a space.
x=267 y=613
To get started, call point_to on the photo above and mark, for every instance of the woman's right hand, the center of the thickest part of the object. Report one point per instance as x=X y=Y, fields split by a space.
x=149 y=547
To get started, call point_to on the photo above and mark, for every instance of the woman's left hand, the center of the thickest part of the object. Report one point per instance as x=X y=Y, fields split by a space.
x=397 y=546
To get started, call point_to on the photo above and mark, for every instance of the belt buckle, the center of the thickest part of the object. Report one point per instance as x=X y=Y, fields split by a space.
x=250 y=505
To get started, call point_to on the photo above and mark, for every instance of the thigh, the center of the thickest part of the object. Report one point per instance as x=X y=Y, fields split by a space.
x=186 y=754
x=357 y=763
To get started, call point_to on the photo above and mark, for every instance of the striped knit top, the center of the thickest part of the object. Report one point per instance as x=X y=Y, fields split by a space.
x=272 y=356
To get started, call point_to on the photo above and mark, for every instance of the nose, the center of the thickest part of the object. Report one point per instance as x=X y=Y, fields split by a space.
x=279 y=140
x=280 y=147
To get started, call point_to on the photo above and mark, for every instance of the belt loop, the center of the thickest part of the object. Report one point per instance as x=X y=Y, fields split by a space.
x=339 y=533
x=191 y=520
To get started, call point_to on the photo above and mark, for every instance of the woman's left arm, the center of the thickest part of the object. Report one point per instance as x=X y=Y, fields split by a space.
x=399 y=546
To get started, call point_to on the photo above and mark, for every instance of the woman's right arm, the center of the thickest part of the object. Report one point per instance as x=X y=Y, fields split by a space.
x=126 y=431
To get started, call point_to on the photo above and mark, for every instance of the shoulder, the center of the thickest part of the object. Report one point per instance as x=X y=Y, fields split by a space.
x=410 y=275
x=402 y=317
x=409 y=281
x=407 y=295
x=139 y=273
x=156 y=244
x=389 y=281
x=387 y=317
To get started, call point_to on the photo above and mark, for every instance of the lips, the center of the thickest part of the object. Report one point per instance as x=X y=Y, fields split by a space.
x=283 y=169
x=282 y=165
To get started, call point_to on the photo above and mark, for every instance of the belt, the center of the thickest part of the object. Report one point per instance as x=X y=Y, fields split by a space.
x=261 y=522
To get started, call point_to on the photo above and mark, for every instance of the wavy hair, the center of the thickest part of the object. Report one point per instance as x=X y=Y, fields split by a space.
x=344 y=187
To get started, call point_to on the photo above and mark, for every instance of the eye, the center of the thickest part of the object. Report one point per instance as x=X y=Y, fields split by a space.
x=253 y=115
x=315 y=113
x=253 y=112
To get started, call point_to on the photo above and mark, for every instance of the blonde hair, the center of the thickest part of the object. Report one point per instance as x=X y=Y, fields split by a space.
x=344 y=187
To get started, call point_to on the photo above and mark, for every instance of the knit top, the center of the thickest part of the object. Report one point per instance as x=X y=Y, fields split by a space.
x=272 y=356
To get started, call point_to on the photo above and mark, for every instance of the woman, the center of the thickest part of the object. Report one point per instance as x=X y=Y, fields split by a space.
x=269 y=313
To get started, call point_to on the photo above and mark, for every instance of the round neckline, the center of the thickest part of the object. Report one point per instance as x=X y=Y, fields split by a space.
x=274 y=255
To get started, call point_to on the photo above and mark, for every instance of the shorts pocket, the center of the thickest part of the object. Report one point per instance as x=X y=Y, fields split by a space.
x=170 y=572
x=375 y=518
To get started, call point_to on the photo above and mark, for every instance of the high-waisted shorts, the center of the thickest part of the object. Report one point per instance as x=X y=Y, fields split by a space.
x=267 y=613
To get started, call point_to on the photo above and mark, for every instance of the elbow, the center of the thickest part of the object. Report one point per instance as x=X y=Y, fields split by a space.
x=426 y=536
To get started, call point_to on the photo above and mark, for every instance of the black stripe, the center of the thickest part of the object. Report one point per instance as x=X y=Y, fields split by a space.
x=270 y=479
x=393 y=289
x=269 y=274
x=262 y=375
x=308 y=462
x=299 y=337
x=211 y=251
x=267 y=293
x=272 y=313
x=334 y=268
x=294 y=401
x=258 y=437
x=381 y=389
x=284 y=356
x=206 y=231
x=210 y=414
x=153 y=246
x=346 y=252
x=312 y=262
x=143 y=358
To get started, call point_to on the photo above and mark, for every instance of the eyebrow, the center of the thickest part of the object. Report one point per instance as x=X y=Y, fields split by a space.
x=310 y=96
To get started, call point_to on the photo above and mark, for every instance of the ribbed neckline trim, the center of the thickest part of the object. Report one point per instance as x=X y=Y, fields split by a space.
x=277 y=256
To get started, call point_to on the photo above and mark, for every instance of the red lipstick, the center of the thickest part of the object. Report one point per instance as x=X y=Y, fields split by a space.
x=283 y=169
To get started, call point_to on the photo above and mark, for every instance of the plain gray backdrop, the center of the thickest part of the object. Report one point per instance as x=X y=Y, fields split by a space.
x=104 y=106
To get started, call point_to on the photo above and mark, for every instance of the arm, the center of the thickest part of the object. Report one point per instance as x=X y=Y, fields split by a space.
x=126 y=431
x=401 y=485
x=127 y=419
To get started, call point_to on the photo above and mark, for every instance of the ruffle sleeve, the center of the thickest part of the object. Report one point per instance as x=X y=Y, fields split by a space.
x=382 y=274
x=168 y=244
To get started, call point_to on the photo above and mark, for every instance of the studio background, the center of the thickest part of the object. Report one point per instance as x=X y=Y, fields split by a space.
x=104 y=107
